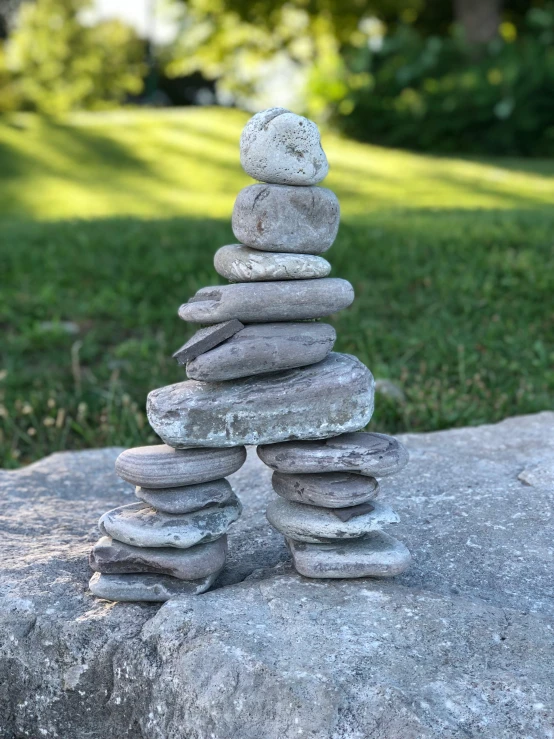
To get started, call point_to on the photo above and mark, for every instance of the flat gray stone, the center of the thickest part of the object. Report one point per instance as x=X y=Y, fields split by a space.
x=328 y=490
x=265 y=302
x=374 y=555
x=239 y=263
x=372 y=454
x=142 y=526
x=205 y=339
x=279 y=146
x=324 y=399
x=459 y=645
x=298 y=220
x=186 y=499
x=262 y=348
x=313 y=524
x=154 y=588
x=162 y=466
x=112 y=557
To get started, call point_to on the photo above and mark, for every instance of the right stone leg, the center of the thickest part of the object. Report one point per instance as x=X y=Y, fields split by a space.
x=327 y=507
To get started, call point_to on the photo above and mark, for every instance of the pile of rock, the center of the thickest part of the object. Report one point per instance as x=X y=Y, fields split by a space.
x=264 y=371
x=173 y=541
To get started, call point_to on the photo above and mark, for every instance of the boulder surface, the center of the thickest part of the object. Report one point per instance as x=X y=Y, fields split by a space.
x=460 y=645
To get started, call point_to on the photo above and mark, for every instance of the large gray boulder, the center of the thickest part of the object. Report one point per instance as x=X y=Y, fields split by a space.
x=458 y=646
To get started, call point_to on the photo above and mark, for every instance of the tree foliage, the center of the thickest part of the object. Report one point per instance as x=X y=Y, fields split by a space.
x=55 y=63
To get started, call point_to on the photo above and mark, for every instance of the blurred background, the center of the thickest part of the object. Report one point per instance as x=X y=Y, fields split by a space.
x=119 y=166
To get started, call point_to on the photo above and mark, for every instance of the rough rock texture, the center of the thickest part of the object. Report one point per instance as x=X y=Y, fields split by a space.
x=279 y=146
x=330 y=397
x=205 y=339
x=459 y=646
x=265 y=302
x=262 y=348
x=239 y=263
x=161 y=466
x=286 y=219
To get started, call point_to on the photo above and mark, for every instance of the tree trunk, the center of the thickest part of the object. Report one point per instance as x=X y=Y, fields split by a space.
x=479 y=19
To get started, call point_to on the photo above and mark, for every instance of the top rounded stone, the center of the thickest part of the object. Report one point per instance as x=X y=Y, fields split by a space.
x=282 y=148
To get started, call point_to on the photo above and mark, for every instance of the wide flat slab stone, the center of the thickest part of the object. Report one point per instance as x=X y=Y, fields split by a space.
x=327 y=398
x=239 y=263
x=458 y=646
x=298 y=220
x=153 y=588
x=267 y=302
x=262 y=348
x=279 y=146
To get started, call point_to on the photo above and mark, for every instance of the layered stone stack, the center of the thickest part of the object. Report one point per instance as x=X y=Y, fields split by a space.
x=263 y=371
x=173 y=541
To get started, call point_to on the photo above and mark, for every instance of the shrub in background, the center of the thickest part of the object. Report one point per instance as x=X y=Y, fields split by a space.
x=439 y=94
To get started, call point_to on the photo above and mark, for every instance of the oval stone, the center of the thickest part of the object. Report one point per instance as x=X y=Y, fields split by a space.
x=314 y=524
x=161 y=466
x=140 y=525
x=324 y=399
x=374 y=555
x=186 y=499
x=266 y=347
x=154 y=588
x=266 y=302
x=116 y=558
x=239 y=263
x=279 y=146
x=274 y=218
x=372 y=454
x=328 y=489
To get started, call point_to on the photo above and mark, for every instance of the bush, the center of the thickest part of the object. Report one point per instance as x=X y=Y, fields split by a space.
x=438 y=94
x=53 y=63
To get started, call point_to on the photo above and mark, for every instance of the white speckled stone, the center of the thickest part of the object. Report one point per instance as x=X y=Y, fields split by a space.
x=154 y=588
x=313 y=524
x=372 y=454
x=186 y=499
x=279 y=146
x=239 y=263
x=274 y=218
x=375 y=555
x=267 y=302
x=161 y=466
x=113 y=557
x=324 y=399
x=262 y=348
x=140 y=525
x=328 y=490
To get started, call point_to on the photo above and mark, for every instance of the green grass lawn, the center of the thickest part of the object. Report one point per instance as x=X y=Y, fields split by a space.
x=109 y=222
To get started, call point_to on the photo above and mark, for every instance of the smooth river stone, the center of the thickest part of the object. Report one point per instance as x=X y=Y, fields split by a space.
x=314 y=525
x=206 y=339
x=116 y=558
x=265 y=302
x=274 y=218
x=162 y=466
x=324 y=399
x=155 y=588
x=141 y=526
x=186 y=499
x=279 y=146
x=264 y=347
x=375 y=455
x=239 y=263
x=328 y=490
x=374 y=555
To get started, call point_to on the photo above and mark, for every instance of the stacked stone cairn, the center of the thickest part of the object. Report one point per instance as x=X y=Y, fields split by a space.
x=263 y=371
x=173 y=541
